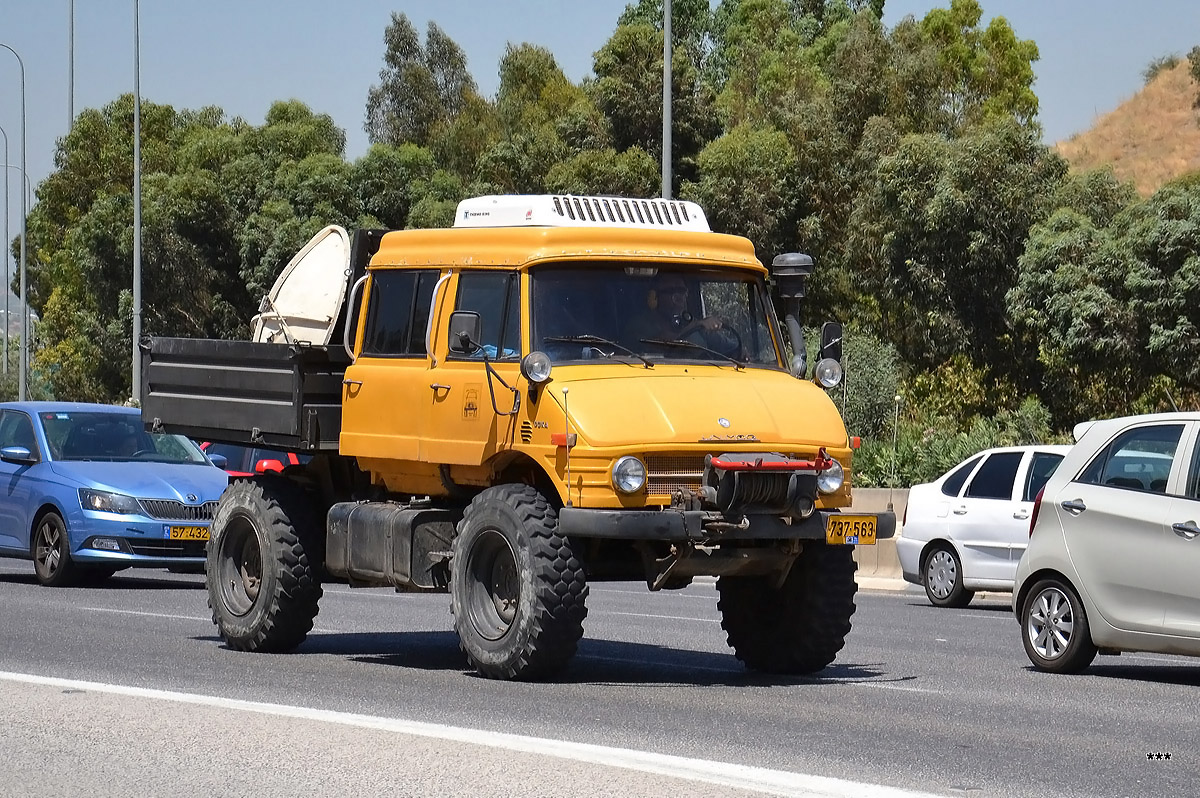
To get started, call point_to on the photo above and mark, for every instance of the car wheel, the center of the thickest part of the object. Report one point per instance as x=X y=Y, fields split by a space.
x=943 y=578
x=1055 y=629
x=51 y=549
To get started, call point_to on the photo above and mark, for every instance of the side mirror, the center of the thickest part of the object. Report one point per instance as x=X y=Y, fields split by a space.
x=465 y=331
x=16 y=454
x=219 y=460
x=831 y=341
x=263 y=466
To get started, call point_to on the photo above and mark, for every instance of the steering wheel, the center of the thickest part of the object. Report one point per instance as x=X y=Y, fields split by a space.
x=727 y=329
x=141 y=452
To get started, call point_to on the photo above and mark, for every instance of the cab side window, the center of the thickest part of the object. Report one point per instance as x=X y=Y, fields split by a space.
x=1041 y=468
x=398 y=312
x=995 y=477
x=494 y=296
x=16 y=429
x=1138 y=459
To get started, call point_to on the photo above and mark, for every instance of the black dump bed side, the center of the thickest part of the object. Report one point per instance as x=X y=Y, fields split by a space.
x=286 y=396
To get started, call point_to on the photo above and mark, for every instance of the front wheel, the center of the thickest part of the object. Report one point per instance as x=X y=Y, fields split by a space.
x=517 y=589
x=798 y=627
x=943 y=578
x=51 y=549
x=1055 y=629
x=263 y=565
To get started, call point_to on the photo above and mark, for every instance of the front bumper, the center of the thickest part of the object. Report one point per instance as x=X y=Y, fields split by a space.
x=698 y=526
x=132 y=541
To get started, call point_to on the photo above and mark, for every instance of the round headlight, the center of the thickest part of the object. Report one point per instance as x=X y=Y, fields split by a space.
x=831 y=479
x=536 y=367
x=629 y=475
x=797 y=367
x=828 y=373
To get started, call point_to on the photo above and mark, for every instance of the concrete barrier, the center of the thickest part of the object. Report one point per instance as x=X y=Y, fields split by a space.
x=879 y=560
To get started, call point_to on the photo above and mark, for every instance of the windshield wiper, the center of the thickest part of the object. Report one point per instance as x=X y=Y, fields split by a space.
x=692 y=345
x=596 y=339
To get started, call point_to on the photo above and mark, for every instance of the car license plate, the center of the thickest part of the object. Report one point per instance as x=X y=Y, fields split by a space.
x=850 y=530
x=189 y=533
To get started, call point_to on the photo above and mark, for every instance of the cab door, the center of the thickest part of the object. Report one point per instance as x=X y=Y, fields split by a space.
x=385 y=390
x=462 y=424
x=986 y=517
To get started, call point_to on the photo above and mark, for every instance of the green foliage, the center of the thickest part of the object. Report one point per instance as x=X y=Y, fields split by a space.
x=1168 y=62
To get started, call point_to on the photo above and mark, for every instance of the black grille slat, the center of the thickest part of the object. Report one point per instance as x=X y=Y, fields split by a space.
x=150 y=547
x=168 y=510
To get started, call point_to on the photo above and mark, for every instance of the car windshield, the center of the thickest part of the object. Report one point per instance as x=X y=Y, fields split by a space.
x=114 y=437
x=639 y=315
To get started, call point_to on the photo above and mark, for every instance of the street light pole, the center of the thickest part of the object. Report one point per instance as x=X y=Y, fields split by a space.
x=136 y=393
x=70 y=65
x=7 y=290
x=24 y=213
x=666 y=137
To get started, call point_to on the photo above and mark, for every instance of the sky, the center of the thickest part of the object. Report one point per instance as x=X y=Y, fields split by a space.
x=242 y=55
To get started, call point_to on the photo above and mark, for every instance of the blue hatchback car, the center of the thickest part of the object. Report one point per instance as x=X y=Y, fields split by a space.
x=87 y=492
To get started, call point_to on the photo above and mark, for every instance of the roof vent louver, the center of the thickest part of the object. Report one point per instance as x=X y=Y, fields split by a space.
x=563 y=210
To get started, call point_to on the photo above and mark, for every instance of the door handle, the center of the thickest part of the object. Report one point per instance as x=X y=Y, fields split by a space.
x=1021 y=515
x=437 y=386
x=960 y=510
x=1186 y=529
x=1074 y=506
x=351 y=382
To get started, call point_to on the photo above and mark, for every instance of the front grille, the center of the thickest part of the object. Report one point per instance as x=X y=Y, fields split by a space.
x=167 y=510
x=153 y=547
x=667 y=473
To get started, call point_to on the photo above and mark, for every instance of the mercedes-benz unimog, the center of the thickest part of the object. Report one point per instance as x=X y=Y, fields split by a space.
x=556 y=391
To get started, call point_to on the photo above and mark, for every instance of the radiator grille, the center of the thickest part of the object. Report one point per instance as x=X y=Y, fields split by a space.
x=167 y=510
x=667 y=473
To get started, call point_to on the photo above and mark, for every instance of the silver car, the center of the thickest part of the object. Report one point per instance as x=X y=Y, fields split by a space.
x=1113 y=555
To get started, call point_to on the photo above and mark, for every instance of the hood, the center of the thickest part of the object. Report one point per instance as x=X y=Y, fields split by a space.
x=688 y=405
x=147 y=480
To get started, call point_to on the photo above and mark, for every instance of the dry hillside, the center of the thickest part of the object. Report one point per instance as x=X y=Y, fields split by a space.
x=1150 y=138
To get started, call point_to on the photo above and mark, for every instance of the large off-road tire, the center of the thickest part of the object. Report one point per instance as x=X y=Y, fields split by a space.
x=517 y=589
x=796 y=628
x=264 y=563
x=51 y=551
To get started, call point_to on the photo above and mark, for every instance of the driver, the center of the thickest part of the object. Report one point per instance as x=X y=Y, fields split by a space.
x=668 y=319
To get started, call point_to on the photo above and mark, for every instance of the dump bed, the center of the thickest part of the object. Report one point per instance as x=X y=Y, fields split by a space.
x=286 y=396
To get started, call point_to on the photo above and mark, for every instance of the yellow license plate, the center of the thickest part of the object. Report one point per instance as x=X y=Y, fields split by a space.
x=189 y=533
x=850 y=530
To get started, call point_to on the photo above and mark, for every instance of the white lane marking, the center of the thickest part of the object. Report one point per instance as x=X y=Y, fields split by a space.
x=146 y=614
x=745 y=777
x=649 y=615
x=1007 y=618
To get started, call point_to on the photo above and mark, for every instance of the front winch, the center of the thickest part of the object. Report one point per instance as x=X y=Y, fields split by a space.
x=763 y=483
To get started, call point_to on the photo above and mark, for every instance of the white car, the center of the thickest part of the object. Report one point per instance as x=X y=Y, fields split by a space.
x=966 y=530
x=1114 y=552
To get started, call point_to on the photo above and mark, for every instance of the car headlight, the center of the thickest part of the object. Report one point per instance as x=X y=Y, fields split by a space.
x=828 y=373
x=629 y=475
x=536 y=367
x=104 y=502
x=830 y=480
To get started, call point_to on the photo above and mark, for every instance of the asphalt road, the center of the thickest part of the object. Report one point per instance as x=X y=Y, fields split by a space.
x=378 y=701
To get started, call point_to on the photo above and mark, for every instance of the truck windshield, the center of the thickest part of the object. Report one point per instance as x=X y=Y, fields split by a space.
x=634 y=313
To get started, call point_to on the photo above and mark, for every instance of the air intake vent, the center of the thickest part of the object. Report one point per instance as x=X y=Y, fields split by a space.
x=526 y=432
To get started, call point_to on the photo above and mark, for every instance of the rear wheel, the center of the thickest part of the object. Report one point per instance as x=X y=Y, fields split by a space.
x=943 y=578
x=798 y=627
x=517 y=589
x=263 y=566
x=51 y=549
x=1055 y=628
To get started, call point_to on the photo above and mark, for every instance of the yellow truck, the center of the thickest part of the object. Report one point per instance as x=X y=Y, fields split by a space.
x=556 y=391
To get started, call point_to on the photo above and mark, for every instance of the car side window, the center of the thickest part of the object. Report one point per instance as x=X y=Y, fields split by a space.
x=494 y=296
x=1193 y=483
x=1137 y=459
x=1041 y=468
x=398 y=312
x=995 y=478
x=955 y=481
x=16 y=429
